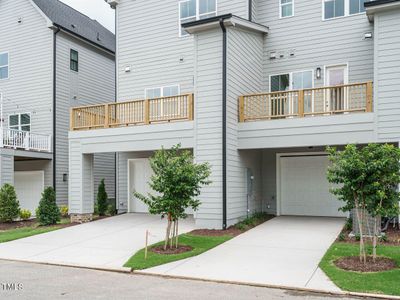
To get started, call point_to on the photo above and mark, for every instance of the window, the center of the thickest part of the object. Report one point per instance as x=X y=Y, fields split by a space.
x=74 y=63
x=340 y=8
x=165 y=91
x=292 y=81
x=286 y=8
x=20 y=122
x=4 y=65
x=333 y=8
x=192 y=10
x=357 y=6
x=280 y=83
x=302 y=80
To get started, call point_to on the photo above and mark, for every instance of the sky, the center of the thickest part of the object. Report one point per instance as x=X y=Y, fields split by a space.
x=95 y=9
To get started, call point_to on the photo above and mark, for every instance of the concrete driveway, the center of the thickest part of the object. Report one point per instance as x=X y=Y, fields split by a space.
x=284 y=251
x=106 y=243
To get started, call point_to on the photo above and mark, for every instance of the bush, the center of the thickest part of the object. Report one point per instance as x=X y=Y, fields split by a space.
x=48 y=212
x=383 y=238
x=9 y=205
x=102 y=199
x=111 y=209
x=25 y=214
x=342 y=237
x=349 y=224
x=64 y=211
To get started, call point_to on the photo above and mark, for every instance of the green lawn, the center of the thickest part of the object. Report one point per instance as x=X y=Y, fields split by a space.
x=387 y=282
x=199 y=244
x=19 y=233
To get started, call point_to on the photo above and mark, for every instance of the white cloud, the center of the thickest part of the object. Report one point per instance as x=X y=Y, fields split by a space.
x=95 y=9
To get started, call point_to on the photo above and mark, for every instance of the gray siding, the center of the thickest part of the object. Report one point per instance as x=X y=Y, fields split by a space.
x=93 y=84
x=29 y=87
x=6 y=168
x=245 y=75
x=148 y=41
x=316 y=43
x=387 y=75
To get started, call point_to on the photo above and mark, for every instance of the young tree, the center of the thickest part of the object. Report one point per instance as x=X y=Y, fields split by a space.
x=9 y=205
x=102 y=199
x=48 y=212
x=177 y=181
x=366 y=180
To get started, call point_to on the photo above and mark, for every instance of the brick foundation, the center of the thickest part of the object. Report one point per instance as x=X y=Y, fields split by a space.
x=81 y=218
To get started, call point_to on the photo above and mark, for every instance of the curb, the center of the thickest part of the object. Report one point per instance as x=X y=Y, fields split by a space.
x=271 y=286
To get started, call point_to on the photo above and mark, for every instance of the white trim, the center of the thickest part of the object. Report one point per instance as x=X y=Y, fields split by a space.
x=49 y=23
x=197 y=16
x=346 y=11
x=291 y=78
x=8 y=65
x=278 y=173
x=346 y=74
x=285 y=4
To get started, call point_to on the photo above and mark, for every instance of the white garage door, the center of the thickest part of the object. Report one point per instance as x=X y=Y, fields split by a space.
x=304 y=189
x=139 y=176
x=29 y=187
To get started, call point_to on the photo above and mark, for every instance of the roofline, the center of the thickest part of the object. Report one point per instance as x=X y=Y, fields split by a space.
x=228 y=19
x=373 y=7
x=80 y=37
x=48 y=21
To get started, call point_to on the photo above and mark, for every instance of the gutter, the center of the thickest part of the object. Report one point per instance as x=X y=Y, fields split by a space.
x=224 y=102
x=250 y=10
x=55 y=105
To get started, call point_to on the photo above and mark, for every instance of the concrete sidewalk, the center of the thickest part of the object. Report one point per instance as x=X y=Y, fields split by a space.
x=106 y=243
x=284 y=251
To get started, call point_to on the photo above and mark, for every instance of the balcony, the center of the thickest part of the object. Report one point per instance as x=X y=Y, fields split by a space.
x=130 y=113
x=322 y=101
x=23 y=140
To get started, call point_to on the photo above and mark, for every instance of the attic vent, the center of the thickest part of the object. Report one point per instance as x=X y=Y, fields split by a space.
x=73 y=26
x=98 y=36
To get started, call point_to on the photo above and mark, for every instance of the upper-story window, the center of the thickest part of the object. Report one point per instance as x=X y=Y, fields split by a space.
x=192 y=10
x=20 y=122
x=74 y=60
x=165 y=91
x=340 y=8
x=4 y=65
x=292 y=81
x=286 y=8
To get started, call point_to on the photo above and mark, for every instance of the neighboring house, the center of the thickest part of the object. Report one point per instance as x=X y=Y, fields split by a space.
x=256 y=88
x=51 y=58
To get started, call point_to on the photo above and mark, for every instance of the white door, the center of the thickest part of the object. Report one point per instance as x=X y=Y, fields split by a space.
x=139 y=175
x=29 y=186
x=337 y=76
x=304 y=189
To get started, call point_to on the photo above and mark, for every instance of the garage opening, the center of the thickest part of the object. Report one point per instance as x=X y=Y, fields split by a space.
x=29 y=186
x=303 y=188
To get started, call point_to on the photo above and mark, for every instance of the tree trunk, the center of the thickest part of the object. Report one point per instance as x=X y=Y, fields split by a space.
x=360 y=221
x=172 y=235
x=375 y=239
x=168 y=233
x=177 y=233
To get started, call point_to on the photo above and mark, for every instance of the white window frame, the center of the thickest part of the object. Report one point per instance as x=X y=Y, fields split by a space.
x=285 y=4
x=19 y=121
x=291 y=78
x=162 y=90
x=8 y=65
x=346 y=11
x=198 y=15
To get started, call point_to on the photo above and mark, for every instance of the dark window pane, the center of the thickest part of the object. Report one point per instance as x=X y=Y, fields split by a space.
x=284 y=82
x=25 y=119
x=329 y=9
x=14 y=120
x=354 y=6
x=4 y=59
x=274 y=83
x=26 y=128
x=74 y=60
x=3 y=72
x=339 y=8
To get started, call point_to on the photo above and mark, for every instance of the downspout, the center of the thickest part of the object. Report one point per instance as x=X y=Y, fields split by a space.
x=55 y=106
x=115 y=100
x=250 y=10
x=224 y=102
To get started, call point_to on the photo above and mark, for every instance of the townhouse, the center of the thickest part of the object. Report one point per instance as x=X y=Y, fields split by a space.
x=256 y=88
x=51 y=58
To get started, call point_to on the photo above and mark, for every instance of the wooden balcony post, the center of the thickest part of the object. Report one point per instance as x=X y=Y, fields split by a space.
x=146 y=111
x=301 y=103
x=369 y=94
x=190 y=107
x=106 y=116
x=241 y=109
x=72 y=119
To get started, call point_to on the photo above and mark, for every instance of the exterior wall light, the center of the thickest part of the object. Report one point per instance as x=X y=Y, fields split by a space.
x=318 y=73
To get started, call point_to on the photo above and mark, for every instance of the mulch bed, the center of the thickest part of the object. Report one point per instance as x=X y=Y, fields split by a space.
x=169 y=251
x=353 y=263
x=15 y=225
x=232 y=231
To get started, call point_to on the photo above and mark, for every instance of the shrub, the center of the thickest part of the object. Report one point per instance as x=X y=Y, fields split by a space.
x=349 y=224
x=25 y=214
x=102 y=199
x=111 y=209
x=357 y=237
x=383 y=238
x=9 y=205
x=342 y=237
x=64 y=211
x=48 y=212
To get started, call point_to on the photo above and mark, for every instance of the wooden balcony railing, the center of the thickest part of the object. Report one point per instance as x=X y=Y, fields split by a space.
x=138 y=112
x=356 y=97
